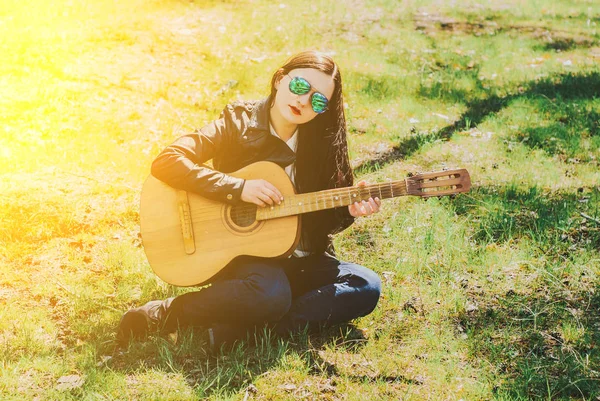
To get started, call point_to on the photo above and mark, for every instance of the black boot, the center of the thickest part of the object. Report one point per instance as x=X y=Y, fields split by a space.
x=137 y=323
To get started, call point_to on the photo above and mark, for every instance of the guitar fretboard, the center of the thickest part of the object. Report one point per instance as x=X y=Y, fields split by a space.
x=331 y=198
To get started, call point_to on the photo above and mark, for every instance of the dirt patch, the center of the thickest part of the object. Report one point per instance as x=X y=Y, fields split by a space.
x=553 y=39
x=432 y=23
x=558 y=40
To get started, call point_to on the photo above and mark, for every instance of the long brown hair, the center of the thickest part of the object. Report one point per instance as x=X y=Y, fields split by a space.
x=322 y=160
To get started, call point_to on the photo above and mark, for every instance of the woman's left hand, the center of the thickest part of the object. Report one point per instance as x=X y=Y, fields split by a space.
x=364 y=208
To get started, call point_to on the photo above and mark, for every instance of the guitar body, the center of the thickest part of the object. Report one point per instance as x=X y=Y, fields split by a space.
x=217 y=233
x=188 y=238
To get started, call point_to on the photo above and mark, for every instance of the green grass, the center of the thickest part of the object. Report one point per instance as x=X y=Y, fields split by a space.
x=490 y=295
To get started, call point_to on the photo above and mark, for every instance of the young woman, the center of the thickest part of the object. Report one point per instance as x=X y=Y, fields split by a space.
x=300 y=126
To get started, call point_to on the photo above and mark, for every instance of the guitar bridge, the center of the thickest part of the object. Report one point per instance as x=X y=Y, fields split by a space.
x=185 y=219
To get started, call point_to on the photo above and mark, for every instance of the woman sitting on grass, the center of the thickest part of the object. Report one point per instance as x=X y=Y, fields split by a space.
x=301 y=126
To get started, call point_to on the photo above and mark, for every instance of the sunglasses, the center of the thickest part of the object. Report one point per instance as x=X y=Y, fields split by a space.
x=300 y=86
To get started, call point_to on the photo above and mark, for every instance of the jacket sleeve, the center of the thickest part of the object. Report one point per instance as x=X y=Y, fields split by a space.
x=180 y=164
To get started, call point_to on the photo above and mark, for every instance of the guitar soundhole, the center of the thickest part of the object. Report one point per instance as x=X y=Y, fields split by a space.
x=243 y=215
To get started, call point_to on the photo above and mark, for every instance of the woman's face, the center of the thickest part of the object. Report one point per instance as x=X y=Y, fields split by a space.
x=297 y=109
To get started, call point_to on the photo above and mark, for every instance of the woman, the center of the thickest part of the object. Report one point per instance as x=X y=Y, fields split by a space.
x=301 y=126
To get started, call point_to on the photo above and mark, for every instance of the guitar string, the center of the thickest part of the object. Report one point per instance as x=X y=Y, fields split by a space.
x=384 y=190
x=396 y=188
x=329 y=196
x=315 y=198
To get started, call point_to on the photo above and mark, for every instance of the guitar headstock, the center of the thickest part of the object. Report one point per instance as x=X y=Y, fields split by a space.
x=439 y=183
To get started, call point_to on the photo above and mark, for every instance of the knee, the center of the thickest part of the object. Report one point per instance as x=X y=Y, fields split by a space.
x=372 y=290
x=369 y=288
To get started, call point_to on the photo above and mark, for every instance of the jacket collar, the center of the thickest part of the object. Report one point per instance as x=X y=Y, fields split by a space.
x=260 y=115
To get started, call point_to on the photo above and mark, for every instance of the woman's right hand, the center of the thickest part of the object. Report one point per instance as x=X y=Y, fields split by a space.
x=261 y=193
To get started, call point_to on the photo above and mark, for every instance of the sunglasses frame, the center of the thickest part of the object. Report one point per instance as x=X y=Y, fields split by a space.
x=298 y=78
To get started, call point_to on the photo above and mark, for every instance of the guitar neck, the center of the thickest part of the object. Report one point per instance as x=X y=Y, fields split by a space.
x=331 y=198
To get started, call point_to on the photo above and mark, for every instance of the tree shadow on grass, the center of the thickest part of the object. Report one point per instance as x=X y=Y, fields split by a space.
x=544 y=342
x=508 y=213
x=564 y=86
x=233 y=367
x=574 y=135
x=543 y=339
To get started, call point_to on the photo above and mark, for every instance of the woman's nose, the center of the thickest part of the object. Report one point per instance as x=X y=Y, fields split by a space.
x=303 y=99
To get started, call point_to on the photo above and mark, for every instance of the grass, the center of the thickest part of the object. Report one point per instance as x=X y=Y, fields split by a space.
x=491 y=295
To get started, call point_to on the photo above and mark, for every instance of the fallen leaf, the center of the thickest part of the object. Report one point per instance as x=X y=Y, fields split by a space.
x=327 y=388
x=287 y=387
x=441 y=116
x=69 y=382
x=104 y=359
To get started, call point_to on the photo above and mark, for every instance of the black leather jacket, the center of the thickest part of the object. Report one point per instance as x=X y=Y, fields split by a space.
x=239 y=137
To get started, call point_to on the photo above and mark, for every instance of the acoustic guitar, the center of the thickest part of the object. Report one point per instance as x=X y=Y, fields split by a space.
x=188 y=238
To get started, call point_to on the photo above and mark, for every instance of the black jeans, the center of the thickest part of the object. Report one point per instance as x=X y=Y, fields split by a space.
x=287 y=293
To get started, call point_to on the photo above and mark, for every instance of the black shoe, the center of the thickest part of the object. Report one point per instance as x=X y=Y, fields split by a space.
x=134 y=325
x=137 y=323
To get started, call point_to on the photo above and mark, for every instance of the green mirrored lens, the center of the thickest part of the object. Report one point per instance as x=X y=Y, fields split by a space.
x=299 y=86
x=318 y=102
